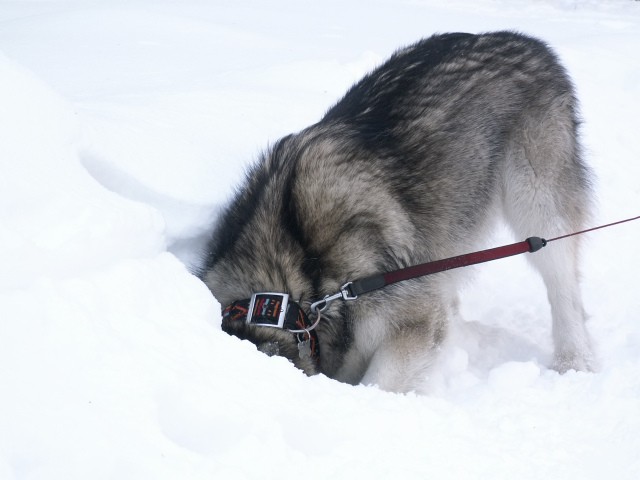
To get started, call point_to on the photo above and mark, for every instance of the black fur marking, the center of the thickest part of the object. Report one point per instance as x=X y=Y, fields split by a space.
x=370 y=105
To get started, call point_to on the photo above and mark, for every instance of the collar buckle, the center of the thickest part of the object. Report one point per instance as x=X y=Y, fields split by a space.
x=268 y=309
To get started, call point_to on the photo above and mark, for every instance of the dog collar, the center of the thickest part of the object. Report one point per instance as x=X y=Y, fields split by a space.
x=276 y=310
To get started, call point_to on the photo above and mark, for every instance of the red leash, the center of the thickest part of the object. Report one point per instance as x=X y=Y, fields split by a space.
x=594 y=228
x=351 y=290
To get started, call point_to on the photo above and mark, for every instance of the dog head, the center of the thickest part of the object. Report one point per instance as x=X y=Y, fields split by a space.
x=262 y=243
x=276 y=326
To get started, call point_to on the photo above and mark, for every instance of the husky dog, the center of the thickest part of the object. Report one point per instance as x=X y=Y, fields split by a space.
x=416 y=163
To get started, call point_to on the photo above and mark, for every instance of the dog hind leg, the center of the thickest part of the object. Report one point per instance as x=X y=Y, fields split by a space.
x=547 y=193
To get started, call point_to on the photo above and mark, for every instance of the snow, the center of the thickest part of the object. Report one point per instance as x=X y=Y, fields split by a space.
x=125 y=127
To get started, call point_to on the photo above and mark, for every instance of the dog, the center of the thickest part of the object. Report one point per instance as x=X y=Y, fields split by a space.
x=417 y=162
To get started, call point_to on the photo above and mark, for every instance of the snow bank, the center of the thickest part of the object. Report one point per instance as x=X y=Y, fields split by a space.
x=124 y=127
x=56 y=220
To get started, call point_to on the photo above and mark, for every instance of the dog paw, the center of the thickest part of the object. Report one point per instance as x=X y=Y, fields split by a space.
x=571 y=360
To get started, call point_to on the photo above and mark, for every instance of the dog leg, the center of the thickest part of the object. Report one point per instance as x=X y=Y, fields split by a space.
x=557 y=265
x=403 y=361
x=547 y=193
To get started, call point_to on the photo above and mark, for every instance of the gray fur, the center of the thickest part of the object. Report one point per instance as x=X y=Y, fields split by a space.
x=415 y=163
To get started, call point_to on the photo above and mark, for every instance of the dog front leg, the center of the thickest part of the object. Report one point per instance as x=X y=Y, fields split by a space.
x=403 y=362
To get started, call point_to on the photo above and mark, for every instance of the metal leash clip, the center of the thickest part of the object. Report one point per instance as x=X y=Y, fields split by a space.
x=322 y=305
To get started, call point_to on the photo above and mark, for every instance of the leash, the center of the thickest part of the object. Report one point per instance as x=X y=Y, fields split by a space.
x=351 y=290
x=270 y=309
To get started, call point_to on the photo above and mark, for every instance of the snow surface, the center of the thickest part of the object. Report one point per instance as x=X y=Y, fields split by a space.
x=124 y=127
